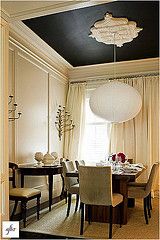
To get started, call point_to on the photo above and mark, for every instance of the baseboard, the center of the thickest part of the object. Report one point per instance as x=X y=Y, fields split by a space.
x=33 y=210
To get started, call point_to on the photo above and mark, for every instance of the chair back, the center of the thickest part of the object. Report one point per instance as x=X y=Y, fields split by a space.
x=95 y=184
x=80 y=162
x=130 y=160
x=63 y=159
x=68 y=166
x=152 y=177
x=12 y=178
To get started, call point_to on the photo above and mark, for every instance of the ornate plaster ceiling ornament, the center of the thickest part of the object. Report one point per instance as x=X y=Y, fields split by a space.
x=114 y=30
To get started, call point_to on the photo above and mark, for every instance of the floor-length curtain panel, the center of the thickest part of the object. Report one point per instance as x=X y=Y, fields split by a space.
x=138 y=138
x=76 y=105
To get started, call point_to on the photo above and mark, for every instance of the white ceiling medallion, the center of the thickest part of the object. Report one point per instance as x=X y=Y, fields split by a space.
x=114 y=30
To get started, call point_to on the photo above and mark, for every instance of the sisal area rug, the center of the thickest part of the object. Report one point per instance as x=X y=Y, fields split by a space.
x=56 y=223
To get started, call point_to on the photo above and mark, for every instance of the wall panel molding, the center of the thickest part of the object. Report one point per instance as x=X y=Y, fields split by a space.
x=16 y=95
x=12 y=130
x=31 y=56
x=31 y=60
x=17 y=54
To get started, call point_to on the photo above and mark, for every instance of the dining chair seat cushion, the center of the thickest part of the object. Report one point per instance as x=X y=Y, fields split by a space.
x=74 y=189
x=136 y=184
x=24 y=192
x=117 y=198
x=137 y=192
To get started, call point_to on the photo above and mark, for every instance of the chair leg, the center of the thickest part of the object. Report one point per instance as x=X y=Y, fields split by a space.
x=110 y=221
x=82 y=218
x=150 y=201
x=24 y=209
x=89 y=214
x=14 y=209
x=77 y=201
x=63 y=191
x=80 y=205
x=120 y=214
x=145 y=210
x=69 y=203
x=38 y=207
x=148 y=206
x=65 y=195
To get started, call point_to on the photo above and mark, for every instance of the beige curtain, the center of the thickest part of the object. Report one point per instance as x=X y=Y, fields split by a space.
x=139 y=138
x=76 y=105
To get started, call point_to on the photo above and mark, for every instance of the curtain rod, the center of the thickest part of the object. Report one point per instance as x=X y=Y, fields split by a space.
x=118 y=77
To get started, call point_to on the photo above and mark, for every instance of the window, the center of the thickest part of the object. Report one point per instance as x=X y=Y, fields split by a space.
x=96 y=136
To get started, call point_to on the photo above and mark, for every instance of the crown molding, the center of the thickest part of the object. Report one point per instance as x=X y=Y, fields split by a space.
x=21 y=33
x=54 y=7
x=103 y=71
x=4 y=15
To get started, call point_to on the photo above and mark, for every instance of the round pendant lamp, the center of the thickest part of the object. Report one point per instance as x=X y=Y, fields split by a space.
x=116 y=102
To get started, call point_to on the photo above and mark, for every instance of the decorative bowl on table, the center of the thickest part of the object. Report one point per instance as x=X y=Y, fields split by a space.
x=55 y=156
x=38 y=157
x=48 y=159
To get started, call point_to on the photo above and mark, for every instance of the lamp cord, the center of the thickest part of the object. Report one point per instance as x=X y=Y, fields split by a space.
x=114 y=58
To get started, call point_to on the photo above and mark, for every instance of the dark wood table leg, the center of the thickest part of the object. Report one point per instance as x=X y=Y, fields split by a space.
x=131 y=202
x=124 y=192
x=22 y=180
x=50 y=176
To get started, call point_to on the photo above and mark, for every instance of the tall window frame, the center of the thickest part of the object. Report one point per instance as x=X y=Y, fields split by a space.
x=96 y=135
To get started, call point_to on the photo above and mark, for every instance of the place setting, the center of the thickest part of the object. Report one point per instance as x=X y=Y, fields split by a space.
x=120 y=164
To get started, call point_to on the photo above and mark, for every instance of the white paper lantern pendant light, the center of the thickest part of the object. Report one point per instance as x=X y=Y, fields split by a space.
x=115 y=101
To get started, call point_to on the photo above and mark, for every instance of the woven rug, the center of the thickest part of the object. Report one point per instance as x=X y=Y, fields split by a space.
x=56 y=223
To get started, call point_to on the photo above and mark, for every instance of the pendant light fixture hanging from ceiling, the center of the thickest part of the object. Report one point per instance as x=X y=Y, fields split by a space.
x=115 y=101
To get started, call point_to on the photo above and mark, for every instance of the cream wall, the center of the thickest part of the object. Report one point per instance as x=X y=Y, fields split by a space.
x=29 y=79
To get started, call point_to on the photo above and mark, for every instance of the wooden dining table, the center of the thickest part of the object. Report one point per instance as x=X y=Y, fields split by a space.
x=119 y=185
x=35 y=170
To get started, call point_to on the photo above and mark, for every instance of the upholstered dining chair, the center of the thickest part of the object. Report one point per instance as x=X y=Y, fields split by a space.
x=95 y=188
x=143 y=190
x=64 y=190
x=22 y=194
x=71 y=184
x=130 y=160
x=80 y=162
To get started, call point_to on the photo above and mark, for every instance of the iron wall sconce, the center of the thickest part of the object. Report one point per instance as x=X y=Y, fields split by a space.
x=13 y=109
x=63 y=122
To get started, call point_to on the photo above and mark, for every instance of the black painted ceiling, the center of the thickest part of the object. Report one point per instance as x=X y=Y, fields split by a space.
x=68 y=32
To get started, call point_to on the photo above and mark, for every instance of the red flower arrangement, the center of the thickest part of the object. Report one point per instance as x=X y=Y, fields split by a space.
x=114 y=157
x=121 y=157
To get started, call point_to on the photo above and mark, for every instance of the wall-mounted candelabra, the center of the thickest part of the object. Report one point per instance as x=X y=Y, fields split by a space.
x=63 y=122
x=12 y=110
